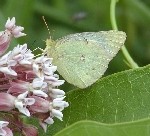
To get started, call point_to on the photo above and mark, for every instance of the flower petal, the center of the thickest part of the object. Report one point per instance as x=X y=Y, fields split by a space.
x=40 y=93
x=10 y=23
x=58 y=114
x=49 y=121
x=3 y=124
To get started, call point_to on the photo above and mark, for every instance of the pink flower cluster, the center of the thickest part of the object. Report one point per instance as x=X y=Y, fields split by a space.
x=28 y=85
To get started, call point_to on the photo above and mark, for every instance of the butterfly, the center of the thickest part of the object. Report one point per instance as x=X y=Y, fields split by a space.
x=83 y=58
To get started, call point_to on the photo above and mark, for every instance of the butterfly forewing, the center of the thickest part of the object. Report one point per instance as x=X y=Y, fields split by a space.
x=83 y=58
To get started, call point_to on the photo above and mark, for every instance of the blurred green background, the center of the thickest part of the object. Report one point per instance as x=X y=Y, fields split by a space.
x=71 y=16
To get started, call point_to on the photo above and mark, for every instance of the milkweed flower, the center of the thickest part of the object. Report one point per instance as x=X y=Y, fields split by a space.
x=29 y=130
x=4 y=130
x=11 y=30
x=28 y=84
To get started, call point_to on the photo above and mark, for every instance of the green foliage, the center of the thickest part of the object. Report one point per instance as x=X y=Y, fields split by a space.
x=119 y=98
x=116 y=105
x=91 y=128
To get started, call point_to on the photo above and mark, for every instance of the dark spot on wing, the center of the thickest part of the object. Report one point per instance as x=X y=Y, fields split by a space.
x=82 y=58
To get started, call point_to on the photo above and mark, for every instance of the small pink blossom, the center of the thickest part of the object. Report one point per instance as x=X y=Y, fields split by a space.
x=58 y=114
x=39 y=87
x=6 y=102
x=4 y=130
x=18 y=87
x=29 y=130
x=42 y=66
x=58 y=103
x=56 y=93
x=41 y=105
x=48 y=121
x=21 y=55
x=11 y=31
x=22 y=102
x=5 y=65
x=10 y=24
x=5 y=38
x=15 y=30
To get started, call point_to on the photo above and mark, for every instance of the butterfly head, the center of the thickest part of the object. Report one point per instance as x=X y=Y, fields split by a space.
x=50 y=42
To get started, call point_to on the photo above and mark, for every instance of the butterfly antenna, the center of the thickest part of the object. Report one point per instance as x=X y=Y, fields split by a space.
x=47 y=26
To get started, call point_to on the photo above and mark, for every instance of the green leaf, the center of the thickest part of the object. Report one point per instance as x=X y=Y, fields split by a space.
x=91 y=128
x=122 y=97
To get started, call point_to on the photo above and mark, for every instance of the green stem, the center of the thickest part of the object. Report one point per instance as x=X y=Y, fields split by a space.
x=114 y=26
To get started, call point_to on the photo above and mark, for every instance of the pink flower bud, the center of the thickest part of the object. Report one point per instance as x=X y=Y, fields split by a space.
x=5 y=38
x=18 y=87
x=29 y=130
x=41 y=105
x=22 y=102
x=6 y=102
x=11 y=31
x=15 y=30
x=5 y=131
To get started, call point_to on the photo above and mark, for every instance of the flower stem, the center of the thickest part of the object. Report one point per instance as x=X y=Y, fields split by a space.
x=114 y=26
